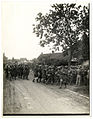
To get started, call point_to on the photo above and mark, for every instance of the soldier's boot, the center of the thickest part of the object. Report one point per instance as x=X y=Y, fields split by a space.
x=27 y=78
x=60 y=85
x=33 y=80
x=37 y=80
x=65 y=85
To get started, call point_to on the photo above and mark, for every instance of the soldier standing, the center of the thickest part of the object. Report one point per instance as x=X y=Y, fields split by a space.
x=61 y=78
x=78 y=79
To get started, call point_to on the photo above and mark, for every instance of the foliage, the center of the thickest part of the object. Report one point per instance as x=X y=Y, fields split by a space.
x=62 y=26
x=85 y=47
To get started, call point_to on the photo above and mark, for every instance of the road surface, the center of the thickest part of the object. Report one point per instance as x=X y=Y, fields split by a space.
x=27 y=97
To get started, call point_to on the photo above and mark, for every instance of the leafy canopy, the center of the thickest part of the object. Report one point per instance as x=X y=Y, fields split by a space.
x=62 y=26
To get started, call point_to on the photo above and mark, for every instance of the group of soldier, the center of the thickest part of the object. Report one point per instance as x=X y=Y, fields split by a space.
x=48 y=74
x=60 y=75
x=14 y=71
x=51 y=75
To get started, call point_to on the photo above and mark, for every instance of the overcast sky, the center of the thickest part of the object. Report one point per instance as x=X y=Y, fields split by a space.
x=17 y=19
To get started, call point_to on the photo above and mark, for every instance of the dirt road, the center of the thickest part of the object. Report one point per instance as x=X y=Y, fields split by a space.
x=28 y=97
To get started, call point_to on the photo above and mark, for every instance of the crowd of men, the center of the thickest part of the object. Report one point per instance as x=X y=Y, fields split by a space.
x=49 y=74
x=60 y=75
x=14 y=71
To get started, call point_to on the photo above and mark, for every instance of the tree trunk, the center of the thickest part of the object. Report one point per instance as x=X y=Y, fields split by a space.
x=70 y=57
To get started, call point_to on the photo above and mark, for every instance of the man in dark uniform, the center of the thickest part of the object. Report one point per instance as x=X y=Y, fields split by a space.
x=52 y=75
x=39 y=73
x=49 y=75
x=44 y=75
x=6 y=70
x=27 y=71
x=57 y=75
x=35 y=69
x=15 y=71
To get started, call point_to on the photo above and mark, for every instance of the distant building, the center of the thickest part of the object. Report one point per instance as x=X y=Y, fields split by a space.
x=62 y=58
x=56 y=59
x=23 y=60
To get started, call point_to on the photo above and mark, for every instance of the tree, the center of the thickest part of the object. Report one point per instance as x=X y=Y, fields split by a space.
x=60 y=27
x=85 y=29
x=85 y=47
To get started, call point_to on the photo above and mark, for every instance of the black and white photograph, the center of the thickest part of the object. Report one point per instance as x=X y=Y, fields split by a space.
x=46 y=57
